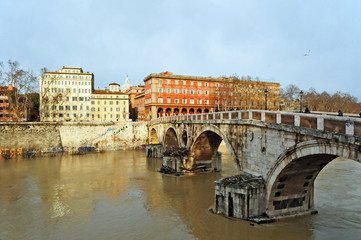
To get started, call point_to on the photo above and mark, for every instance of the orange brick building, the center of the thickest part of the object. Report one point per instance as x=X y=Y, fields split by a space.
x=133 y=92
x=139 y=107
x=5 y=92
x=168 y=94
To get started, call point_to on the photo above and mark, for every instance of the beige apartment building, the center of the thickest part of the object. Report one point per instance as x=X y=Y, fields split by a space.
x=65 y=95
x=110 y=104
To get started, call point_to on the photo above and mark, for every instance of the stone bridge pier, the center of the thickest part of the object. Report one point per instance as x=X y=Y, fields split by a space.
x=279 y=155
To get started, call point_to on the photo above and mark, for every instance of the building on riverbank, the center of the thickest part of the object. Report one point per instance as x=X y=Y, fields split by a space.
x=65 y=95
x=6 y=92
x=168 y=94
x=139 y=106
x=110 y=104
x=134 y=111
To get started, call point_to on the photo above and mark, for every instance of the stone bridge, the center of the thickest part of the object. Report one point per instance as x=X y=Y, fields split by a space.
x=286 y=150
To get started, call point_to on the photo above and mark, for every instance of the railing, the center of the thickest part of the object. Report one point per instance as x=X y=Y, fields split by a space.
x=338 y=124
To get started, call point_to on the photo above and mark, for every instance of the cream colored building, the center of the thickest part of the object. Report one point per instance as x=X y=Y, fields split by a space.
x=110 y=104
x=65 y=95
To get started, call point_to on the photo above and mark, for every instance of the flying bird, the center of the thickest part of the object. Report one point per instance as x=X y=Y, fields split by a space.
x=307 y=54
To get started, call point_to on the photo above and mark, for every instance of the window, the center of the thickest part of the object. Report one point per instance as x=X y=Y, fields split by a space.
x=168 y=100
x=206 y=102
x=199 y=83
x=160 y=81
x=111 y=102
x=184 y=91
x=93 y=109
x=160 y=100
x=176 y=100
x=206 y=92
x=184 y=100
x=168 y=81
x=191 y=83
x=176 y=82
x=199 y=92
x=169 y=90
x=191 y=101
x=75 y=99
x=176 y=90
x=74 y=108
x=81 y=98
x=192 y=91
x=160 y=90
x=67 y=108
x=61 y=115
x=184 y=82
x=199 y=101
x=217 y=84
x=61 y=107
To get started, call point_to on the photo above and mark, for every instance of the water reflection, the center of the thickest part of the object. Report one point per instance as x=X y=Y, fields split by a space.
x=120 y=195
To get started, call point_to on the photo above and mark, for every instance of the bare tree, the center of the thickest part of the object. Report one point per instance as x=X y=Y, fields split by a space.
x=290 y=93
x=24 y=82
x=323 y=101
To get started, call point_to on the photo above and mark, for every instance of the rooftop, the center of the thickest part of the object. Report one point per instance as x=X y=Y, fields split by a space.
x=167 y=75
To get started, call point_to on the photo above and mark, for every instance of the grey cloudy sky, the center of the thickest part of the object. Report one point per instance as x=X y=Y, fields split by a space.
x=115 y=38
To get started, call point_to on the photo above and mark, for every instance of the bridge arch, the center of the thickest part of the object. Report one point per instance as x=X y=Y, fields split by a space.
x=207 y=141
x=153 y=137
x=290 y=182
x=170 y=138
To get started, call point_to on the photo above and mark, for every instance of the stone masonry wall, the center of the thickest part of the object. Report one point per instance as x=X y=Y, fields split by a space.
x=40 y=136
x=29 y=135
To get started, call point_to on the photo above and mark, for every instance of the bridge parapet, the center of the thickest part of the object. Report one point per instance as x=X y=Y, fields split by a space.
x=336 y=124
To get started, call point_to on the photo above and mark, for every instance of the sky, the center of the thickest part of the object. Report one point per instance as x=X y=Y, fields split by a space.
x=260 y=38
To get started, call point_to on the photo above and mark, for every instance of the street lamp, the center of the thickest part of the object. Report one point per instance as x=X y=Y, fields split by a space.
x=301 y=94
x=265 y=94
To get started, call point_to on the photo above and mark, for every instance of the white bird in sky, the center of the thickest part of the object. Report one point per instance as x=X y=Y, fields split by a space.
x=307 y=54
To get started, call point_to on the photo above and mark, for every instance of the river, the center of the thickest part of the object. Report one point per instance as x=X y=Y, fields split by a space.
x=120 y=195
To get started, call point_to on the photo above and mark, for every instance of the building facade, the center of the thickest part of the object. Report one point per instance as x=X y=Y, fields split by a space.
x=168 y=94
x=5 y=93
x=133 y=92
x=110 y=104
x=65 y=95
x=139 y=107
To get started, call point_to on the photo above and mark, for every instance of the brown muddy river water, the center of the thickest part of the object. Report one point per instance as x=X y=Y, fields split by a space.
x=120 y=195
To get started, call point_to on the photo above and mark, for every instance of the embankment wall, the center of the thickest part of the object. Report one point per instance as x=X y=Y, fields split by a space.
x=46 y=135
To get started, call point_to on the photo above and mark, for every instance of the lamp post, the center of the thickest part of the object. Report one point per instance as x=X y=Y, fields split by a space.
x=301 y=94
x=265 y=94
